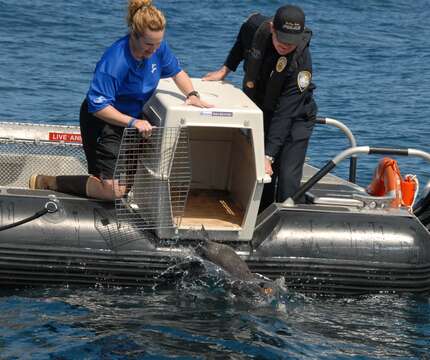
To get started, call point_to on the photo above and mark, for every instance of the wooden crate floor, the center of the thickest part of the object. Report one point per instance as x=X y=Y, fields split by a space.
x=213 y=209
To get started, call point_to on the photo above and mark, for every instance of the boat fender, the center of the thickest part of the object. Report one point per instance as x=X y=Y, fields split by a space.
x=387 y=181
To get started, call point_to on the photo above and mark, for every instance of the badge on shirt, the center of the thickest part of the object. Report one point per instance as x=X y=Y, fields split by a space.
x=280 y=65
x=303 y=80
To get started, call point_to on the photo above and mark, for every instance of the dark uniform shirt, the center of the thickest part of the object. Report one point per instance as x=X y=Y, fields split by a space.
x=295 y=109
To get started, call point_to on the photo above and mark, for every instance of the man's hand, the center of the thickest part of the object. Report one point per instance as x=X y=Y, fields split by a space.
x=217 y=75
x=268 y=167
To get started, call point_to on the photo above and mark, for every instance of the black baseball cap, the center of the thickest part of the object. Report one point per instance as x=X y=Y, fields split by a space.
x=289 y=23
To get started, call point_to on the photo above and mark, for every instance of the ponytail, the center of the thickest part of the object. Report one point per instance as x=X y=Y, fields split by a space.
x=142 y=15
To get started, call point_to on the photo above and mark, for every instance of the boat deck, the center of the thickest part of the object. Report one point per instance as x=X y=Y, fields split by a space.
x=332 y=190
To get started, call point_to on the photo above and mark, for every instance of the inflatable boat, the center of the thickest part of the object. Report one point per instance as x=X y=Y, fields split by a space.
x=200 y=175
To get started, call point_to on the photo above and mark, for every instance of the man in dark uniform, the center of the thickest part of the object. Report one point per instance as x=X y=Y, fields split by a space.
x=278 y=74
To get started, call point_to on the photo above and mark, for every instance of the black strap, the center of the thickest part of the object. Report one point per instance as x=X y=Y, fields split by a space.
x=255 y=58
x=73 y=184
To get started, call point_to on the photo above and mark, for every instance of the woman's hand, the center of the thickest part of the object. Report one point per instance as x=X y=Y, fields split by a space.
x=217 y=75
x=144 y=128
x=196 y=101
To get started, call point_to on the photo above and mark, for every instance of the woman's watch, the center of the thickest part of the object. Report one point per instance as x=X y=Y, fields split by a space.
x=193 y=93
x=270 y=158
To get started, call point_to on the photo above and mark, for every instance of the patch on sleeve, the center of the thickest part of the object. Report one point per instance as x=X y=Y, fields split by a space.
x=303 y=80
x=99 y=100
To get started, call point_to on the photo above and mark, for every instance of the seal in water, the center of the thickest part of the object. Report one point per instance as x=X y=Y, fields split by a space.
x=244 y=282
x=226 y=258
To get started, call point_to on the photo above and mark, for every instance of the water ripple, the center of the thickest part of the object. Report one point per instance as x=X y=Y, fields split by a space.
x=372 y=71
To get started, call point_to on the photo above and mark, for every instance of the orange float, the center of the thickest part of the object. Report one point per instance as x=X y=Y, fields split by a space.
x=409 y=189
x=387 y=181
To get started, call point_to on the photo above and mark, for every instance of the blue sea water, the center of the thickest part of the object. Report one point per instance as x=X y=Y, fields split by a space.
x=372 y=71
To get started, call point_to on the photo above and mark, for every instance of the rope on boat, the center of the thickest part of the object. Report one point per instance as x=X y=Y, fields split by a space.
x=50 y=207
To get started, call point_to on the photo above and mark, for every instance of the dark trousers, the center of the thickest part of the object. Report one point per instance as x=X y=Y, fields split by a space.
x=91 y=128
x=287 y=173
x=101 y=142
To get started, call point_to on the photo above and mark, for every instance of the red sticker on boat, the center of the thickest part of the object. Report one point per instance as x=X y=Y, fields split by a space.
x=66 y=137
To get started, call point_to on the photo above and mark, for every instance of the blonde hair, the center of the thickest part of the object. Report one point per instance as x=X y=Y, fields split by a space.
x=142 y=15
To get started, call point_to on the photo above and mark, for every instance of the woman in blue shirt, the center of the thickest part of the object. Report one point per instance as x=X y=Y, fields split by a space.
x=124 y=79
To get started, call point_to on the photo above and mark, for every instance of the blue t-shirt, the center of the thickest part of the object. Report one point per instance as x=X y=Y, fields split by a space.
x=126 y=83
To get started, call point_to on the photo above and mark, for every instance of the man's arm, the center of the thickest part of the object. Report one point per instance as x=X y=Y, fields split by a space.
x=236 y=55
x=232 y=62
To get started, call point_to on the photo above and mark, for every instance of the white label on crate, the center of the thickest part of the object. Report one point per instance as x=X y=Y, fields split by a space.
x=216 y=113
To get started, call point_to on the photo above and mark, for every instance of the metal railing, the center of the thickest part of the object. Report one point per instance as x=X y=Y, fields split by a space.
x=358 y=150
x=353 y=143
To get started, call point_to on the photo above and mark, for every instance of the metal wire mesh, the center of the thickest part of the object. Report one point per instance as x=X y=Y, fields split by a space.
x=119 y=235
x=19 y=159
x=154 y=174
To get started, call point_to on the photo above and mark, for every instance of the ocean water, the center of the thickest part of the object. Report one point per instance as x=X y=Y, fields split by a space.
x=372 y=71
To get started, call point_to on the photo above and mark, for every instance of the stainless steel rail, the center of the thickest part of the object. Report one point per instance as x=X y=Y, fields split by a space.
x=358 y=150
x=352 y=141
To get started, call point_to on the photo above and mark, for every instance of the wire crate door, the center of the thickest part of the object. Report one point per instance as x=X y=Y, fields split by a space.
x=154 y=174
